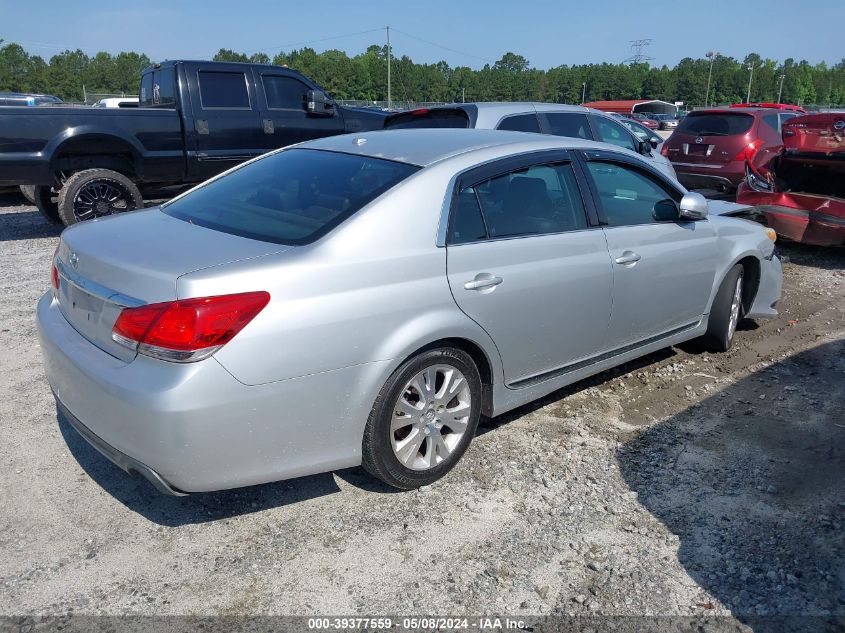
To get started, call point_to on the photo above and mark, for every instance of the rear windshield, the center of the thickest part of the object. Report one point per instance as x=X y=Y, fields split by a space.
x=453 y=118
x=727 y=124
x=293 y=197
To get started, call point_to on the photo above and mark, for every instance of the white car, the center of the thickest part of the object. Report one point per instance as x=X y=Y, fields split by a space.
x=544 y=118
x=117 y=102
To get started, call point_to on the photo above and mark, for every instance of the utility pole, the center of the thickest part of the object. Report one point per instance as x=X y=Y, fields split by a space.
x=780 y=87
x=750 y=77
x=463 y=95
x=711 y=56
x=583 y=91
x=389 y=100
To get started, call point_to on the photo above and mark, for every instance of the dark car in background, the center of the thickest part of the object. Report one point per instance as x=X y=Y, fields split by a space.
x=801 y=190
x=710 y=148
x=644 y=120
x=27 y=99
x=664 y=121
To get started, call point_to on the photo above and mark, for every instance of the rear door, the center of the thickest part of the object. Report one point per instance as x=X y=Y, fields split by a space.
x=525 y=262
x=227 y=119
x=284 y=119
x=663 y=271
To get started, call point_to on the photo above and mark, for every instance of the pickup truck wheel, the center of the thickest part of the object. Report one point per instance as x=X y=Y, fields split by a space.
x=93 y=193
x=45 y=202
x=28 y=192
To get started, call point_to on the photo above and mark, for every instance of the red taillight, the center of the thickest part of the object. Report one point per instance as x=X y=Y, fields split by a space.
x=189 y=329
x=664 y=149
x=747 y=153
x=419 y=112
x=54 y=272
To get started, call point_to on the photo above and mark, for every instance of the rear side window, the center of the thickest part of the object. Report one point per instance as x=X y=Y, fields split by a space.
x=293 y=197
x=772 y=121
x=145 y=99
x=537 y=200
x=223 y=89
x=164 y=88
x=570 y=124
x=442 y=117
x=520 y=123
x=285 y=93
x=722 y=124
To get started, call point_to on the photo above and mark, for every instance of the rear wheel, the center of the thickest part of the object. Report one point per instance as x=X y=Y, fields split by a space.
x=94 y=193
x=28 y=192
x=424 y=419
x=46 y=201
x=726 y=312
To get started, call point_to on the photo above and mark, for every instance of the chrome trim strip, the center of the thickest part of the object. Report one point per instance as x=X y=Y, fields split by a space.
x=95 y=289
x=704 y=165
x=567 y=369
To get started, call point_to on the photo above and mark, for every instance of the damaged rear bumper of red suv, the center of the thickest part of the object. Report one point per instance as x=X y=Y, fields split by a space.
x=801 y=217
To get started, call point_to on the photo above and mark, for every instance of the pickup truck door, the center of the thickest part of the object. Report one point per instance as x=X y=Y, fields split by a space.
x=227 y=119
x=285 y=121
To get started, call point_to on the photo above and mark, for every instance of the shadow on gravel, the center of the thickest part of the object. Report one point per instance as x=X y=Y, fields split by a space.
x=752 y=481
x=139 y=496
x=824 y=257
x=26 y=225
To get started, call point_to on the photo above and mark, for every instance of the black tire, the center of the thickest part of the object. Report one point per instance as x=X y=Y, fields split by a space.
x=46 y=203
x=720 y=329
x=28 y=192
x=95 y=193
x=379 y=458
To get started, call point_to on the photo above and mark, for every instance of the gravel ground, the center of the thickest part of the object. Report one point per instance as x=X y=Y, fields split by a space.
x=681 y=484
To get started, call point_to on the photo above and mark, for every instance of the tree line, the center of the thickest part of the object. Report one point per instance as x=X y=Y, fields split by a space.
x=364 y=77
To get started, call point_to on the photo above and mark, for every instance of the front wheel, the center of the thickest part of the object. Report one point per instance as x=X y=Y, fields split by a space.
x=46 y=202
x=726 y=312
x=423 y=419
x=28 y=192
x=93 y=193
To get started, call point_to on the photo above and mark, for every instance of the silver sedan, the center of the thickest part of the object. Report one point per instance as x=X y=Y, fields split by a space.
x=364 y=299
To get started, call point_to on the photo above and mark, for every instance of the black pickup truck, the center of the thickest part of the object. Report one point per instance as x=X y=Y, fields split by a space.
x=195 y=120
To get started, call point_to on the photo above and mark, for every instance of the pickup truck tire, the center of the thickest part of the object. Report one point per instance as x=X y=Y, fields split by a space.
x=45 y=202
x=28 y=192
x=92 y=193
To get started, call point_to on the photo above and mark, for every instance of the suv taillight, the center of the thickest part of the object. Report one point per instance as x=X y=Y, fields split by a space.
x=187 y=330
x=664 y=149
x=747 y=153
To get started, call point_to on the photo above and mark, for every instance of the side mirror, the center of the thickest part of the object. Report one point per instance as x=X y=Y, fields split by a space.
x=644 y=147
x=693 y=206
x=666 y=211
x=654 y=142
x=318 y=104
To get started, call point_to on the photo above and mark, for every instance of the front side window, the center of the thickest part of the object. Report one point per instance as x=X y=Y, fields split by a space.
x=537 y=200
x=613 y=133
x=284 y=93
x=292 y=197
x=569 y=124
x=223 y=90
x=628 y=196
x=520 y=123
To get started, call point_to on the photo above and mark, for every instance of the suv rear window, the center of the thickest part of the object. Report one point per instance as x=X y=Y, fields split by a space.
x=441 y=117
x=727 y=124
x=293 y=197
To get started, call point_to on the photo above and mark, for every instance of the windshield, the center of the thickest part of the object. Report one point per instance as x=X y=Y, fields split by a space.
x=718 y=124
x=293 y=197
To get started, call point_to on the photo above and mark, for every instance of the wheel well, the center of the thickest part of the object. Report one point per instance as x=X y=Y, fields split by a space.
x=481 y=361
x=751 y=270
x=90 y=152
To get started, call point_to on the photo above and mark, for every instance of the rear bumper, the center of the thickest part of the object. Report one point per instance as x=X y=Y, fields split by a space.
x=708 y=176
x=193 y=427
x=805 y=225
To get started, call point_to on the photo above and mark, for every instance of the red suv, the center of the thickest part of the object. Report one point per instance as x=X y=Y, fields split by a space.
x=709 y=148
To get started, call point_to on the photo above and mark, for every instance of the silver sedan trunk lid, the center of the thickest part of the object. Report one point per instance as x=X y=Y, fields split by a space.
x=134 y=259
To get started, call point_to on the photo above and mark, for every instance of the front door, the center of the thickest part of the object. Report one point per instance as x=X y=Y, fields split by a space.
x=524 y=264
x=663 y=270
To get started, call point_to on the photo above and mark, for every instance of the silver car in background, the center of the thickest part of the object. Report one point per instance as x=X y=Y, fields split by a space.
x=572 y=121
x=364 y=299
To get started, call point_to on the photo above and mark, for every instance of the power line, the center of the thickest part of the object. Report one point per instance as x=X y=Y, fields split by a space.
x=446 y=48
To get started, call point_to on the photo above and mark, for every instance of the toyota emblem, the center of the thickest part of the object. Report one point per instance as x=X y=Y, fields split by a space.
x=74 y=260
x=698 y=140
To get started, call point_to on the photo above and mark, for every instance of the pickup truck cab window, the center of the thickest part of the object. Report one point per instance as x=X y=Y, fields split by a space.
x=225 y=90
x=284 y=93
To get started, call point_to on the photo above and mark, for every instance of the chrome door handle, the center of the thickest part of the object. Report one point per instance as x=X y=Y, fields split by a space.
x=628 y=258
x=482 y=281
